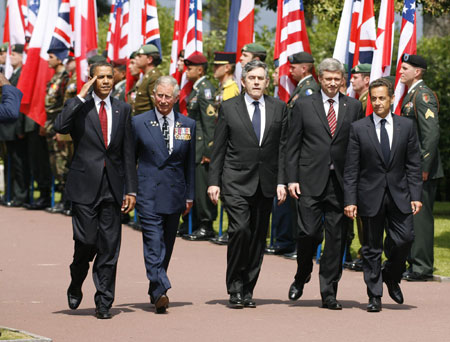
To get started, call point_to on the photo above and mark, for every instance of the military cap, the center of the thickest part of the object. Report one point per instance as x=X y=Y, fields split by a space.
x=362 y=69
x=119 y=62
x=224 y=57
x=197 y=59
x=71 y=55
x=17 y=48
x=4 y=47
x=96 y=59
x=254 y=47
x=415 y=60
x=133 y=55
x=147 y=49
x=301 y=57
x=60 y=53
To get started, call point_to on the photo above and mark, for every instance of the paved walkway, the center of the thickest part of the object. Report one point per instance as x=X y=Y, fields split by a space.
x=36 y=250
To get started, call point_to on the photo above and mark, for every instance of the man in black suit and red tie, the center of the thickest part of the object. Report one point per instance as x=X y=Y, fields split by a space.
x=383 y=185
x=101 y=183
x=247 y=171
x=317 y=142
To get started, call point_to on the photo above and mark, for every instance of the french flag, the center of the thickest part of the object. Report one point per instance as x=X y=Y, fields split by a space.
x=36 y=72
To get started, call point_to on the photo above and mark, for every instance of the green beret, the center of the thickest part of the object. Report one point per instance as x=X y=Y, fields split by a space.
x=254 y=47
x=362 y=69
x=17 y=48
x=415 y=60
x=301 y=57
x=96 y=59
x=133 y=55
x=4 y=47
x=147 y=49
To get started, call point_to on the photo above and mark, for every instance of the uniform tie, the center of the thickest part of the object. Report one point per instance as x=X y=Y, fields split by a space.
x=165 y=132
x=384 y=141
x=103 y=122
x=331 y=117
x=256 y=120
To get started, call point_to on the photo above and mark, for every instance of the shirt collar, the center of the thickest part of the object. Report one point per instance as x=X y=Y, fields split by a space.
x=304 y=79
x=377 y=119
x=250 y=100
x=414 y=85
x=199 y=80
x=97 y=100
x=117 y=86
x=325 y=97
x=170 y=117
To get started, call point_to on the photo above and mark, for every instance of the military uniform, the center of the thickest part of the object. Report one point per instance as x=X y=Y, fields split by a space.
x=305 y=87
x=421 y=105
x=363 y=98
x=226 y=91
x=119 y=90
x=144 y=89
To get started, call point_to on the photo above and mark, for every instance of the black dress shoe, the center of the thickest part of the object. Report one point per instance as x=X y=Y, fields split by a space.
x=236 y=300
x=248 y=301
x=102 y=313
x=39 y=204
x=74 y=297
x=374 y=304
x=201 y=234
x=296 y=290
x=56 y=209
x=277 y=250
x=68 y=212
x=354 y=265
x=332 y=304
x=394 y=290
x=14 y=204
x=291 y=256
x=220 y=240
x=414 y=276
x=161 y=304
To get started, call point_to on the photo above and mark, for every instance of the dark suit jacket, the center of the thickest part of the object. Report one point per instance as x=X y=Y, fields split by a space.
x=238 y=163
x=10 y=131
x=165 y=181
x=91 y=156
x=10 y=106
x=311 y=149
x=366 y=174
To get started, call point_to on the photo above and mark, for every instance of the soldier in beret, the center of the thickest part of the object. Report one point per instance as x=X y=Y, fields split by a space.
x=200 y=107
x=135 y=72
x=301 y=68
x=360 y=81
x=252 y=51
x=120 y=75
x=147 y=59
x=421 y=105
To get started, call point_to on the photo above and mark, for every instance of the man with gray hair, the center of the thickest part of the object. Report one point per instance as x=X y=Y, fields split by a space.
x=315 y=157
x=165 y=150
x=246 y=172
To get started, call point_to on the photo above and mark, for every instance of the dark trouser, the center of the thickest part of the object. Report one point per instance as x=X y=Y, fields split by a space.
x=158 y=232
x=421 y=257
x=282 y=224
x=319 y=214
x=248 y=222
x=39 y=161
x=204 y=212
x=19 y=170
x=399 y=237
x=97 y=233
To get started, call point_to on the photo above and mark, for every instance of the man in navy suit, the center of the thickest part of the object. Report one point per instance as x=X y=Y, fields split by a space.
x=101 y=183
x=11 y=97
x=383 y=184
x=165 y=150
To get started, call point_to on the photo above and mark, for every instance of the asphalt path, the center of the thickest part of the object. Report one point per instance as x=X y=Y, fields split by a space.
x=36 y=250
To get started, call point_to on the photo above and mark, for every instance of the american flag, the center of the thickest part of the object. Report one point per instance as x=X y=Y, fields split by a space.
x=291 y=37
x=117 y=38
x=33 y=8
x=407 y=44
x=63 y=35
x=151 y=24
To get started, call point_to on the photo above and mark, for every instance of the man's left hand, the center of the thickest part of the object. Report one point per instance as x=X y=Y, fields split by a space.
x=188 y=207
x=425 y=176
x=416 y=206
x=128 y=204
x=205 y=160
x=281 y=194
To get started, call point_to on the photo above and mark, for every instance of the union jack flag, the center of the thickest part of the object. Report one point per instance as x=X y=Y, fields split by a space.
x=117 y=39
x=290 y=38
x=151 y=24
x=62 y=38
x=406 y=44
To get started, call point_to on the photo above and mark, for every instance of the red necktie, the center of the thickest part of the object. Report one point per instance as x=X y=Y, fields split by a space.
x=103 y=121
x=331 y=117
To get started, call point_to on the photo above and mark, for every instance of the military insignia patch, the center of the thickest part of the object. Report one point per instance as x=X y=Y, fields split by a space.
x=182 y=133
x=154 y=123
x=208 y=94
x=425 y=97
x=178 y=124
x=429 y=114
x=210 y=111
x=308 y=92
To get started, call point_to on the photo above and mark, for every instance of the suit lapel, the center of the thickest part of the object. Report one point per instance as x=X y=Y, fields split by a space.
x=373 y=137
x=320 y=111
x=115 y=113
x=270 y=112
x=395 y=137
x=93 y=116
x=341 y=113
x=152 y=125
x=242 y=112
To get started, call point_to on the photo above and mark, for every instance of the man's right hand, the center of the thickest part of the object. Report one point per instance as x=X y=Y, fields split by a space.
x=3 y=80
x=85 y=89
x=351 y=211
x=294 y=190
x=214 y=193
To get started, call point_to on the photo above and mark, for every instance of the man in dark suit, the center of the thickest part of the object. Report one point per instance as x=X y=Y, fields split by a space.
x=101 y=183
x=383 y=184
x=246 y=167
x=11 y=97
x=165 y=149
x=317 y=142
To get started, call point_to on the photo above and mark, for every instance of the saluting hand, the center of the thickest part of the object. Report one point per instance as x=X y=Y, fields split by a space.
x=85 y=89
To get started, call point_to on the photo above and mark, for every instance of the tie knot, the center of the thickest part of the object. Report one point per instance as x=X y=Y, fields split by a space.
x=331 y=101
x=383 y=122
x=256 y=103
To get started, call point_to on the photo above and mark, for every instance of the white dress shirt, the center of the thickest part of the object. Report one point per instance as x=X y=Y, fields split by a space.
x=389 y=125
x=171 y=121
x=326 y=104
x=251 y=110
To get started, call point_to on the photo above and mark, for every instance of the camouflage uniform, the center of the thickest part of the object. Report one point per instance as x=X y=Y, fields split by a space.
x=305 y=87
x=119 y=90
x=144 y=89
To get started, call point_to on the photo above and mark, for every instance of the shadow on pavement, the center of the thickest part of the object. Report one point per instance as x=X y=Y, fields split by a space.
x=150 y=307
x=91 y=312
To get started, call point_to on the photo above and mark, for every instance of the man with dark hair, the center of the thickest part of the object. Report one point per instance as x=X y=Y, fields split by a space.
x=360 y=82
x=120 y=79
x=301 y=68
x=247 y=171
x=382 y=184
x=422 y=106
x=147 y=59
x=101 y=183
x=317 y=142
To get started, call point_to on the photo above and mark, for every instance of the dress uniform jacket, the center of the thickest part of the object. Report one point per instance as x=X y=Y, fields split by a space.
x=144 y=89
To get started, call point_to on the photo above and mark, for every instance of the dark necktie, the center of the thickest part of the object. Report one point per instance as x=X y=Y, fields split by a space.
x=384 y=141
x=165 y=132
x=331 y=117
x=103 y=121
x=256 y=120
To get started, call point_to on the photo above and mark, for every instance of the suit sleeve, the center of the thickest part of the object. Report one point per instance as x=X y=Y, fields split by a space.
x=413 y=166
x=282 y=147
x=295 y=134
x=351 y=169
x=10 y=106
x=128 y=154
x=219 y=150
x=190 y=168
x=64 y=120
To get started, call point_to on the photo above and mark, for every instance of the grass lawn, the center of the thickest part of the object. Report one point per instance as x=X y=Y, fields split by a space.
x=8 y=335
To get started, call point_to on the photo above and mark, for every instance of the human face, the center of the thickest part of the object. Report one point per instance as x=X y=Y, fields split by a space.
x=118 y=75
x=381 y=101
x=275 y=76
x=2 y=58
x=245 y=58
x=142 y=61
x=297 y=71
x=180 y=64
x=255 y=83
x=330 y=82
x=359 y=83
x=164 y=99
x=16 y=59
x=53 y=61
x=194 y=72
x=134 y=69
x=104 y=82
x=408 y=73
x=220 y=70
x=71 y=66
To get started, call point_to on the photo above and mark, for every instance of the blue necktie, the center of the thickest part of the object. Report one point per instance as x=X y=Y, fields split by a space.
x=384 y=141
x=256 y=120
